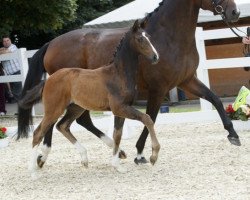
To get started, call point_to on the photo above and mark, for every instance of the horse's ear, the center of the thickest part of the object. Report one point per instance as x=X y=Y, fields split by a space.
x=144 y=23
x=136 y=26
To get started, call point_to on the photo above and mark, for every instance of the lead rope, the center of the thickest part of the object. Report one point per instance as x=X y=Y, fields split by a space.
x=219 y=9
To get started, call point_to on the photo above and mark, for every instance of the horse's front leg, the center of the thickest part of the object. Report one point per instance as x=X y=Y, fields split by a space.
x=118 y=126
x=155 y=98
x=85 y=121
x=198 y=88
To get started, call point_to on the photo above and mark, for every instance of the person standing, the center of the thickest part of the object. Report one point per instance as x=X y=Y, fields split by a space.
x=11 y=67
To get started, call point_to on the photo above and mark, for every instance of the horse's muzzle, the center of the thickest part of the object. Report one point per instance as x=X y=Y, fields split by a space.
x=236 y=15
x=232 y=16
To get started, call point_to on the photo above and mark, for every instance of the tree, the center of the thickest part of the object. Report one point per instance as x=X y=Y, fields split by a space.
x=33 y=23
x=90 y=9
x=31 y=16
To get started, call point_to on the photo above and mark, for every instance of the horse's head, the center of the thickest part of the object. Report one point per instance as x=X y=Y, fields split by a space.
x=226 y=8
x=141 y=42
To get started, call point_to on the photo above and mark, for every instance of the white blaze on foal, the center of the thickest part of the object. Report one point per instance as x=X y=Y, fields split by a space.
x=154 y=50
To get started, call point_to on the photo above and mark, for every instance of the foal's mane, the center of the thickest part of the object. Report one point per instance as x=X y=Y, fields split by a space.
x=119 y=45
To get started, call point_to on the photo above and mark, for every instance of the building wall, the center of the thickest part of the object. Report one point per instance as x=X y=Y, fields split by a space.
x=227 y=82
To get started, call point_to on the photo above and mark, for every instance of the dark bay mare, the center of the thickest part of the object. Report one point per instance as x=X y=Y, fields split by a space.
x=172 y=28
x=111 y=87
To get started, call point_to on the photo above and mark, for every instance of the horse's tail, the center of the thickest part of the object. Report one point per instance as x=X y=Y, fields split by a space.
x=34 y=77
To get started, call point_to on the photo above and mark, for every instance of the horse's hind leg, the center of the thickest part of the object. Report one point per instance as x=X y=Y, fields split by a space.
x=86 y=122
x=39 y=133
x=73 y=112
x=118 y=125
x=198 y=88
x=46 y=148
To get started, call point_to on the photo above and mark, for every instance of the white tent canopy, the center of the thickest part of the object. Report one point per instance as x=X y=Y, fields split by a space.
x=139 y=8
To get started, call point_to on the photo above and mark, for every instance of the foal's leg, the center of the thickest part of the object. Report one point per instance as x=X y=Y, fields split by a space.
x=126 y=111
x=86 y=122
x=46 y=148
x=39 y=133
x=73 y=112
x=198 y=88
x=118 y=125
x=155 y=98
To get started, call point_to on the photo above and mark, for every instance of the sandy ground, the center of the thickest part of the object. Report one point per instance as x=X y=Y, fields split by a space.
x=196 y=162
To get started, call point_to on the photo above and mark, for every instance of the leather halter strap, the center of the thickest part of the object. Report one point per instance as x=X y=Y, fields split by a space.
x=220 y=10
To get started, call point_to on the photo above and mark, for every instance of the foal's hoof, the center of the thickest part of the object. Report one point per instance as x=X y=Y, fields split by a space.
x=153 y=159
x=122 y=154
x=40 y=163
x=140 y=161
x=234 y=141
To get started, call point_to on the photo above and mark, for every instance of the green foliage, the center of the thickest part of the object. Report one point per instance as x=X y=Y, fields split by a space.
x=30 y=16
x=90 y=9
x=238 y=115
x=34 y=23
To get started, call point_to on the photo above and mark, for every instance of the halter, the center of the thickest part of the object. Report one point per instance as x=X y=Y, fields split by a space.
x=220 y=10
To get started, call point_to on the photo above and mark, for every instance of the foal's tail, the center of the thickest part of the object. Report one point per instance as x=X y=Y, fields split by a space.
x=35 y=73
x=32 y=96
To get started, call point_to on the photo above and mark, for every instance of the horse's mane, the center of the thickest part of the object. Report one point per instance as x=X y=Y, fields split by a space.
x=148 y=15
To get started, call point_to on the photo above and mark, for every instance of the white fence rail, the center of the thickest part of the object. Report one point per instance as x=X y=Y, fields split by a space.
x=22 y=55
x=205 y=64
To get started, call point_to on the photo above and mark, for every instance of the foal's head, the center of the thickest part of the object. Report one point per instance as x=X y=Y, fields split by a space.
x=141 y=42
x=226 y=8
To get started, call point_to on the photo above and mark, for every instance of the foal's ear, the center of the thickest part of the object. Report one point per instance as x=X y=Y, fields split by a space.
x=144 y=23
x=136 y=26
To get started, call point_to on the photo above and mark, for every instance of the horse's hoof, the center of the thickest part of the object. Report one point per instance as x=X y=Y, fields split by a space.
x=153 y=159
x=122 y=154
x=234 y=141
x=40 y=163
x=140 y=161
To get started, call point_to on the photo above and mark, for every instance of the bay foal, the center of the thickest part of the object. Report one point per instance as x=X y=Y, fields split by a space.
x=110 y=87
